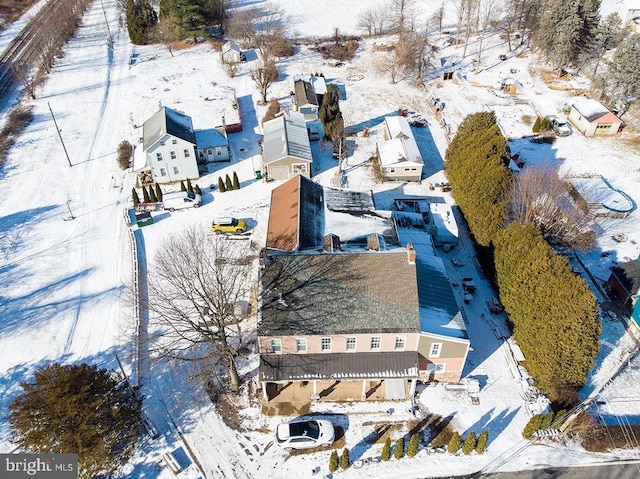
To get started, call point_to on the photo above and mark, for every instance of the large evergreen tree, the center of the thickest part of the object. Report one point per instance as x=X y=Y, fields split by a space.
x=141 y=18
x=77 y=409
x=330 y=114
x=622 y=84
x=190 y=17
x=476 y=166
x=553 y=311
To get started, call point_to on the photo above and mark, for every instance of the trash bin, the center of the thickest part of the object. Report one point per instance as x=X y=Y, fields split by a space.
x=258 y=175
x=144 y=219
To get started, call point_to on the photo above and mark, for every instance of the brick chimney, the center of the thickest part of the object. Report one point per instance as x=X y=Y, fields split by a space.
x=411 y=253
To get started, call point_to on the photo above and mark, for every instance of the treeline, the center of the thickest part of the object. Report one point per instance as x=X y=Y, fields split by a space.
x=554 y=315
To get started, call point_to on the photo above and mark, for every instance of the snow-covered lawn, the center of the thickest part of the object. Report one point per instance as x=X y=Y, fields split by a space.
x=63 y=283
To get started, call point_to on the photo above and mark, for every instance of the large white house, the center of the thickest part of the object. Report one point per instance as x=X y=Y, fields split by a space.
x=172 y=148
x=398 y=155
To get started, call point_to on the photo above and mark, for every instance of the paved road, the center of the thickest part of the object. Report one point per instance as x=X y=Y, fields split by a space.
x=619 y=470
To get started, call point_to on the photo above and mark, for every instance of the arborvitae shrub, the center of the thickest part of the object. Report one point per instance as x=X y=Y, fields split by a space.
x=536 y=125
x=227 y=183
x=546 y=421
x=398 y=453
x=545 y=124
x=145 y=195
x=558 y=419
x=183 y=187
x=197 y=190
x=414 y=443
x=344 y=460
x=189 y=186
x=333 y=461
x=134 y=196
x=158 y=192
x=454 y=443
x=469 y=443
x=481 y=446
x=221 y=187
x=386 y=450
x=236 y=182
x=152 y=195
x=532 y=426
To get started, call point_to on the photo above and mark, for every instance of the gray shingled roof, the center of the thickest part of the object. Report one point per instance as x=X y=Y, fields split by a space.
x=291 y=367
x=167 y=121
x=628 y=275
x=286 y=136
x=339 y=293
x=305 y=94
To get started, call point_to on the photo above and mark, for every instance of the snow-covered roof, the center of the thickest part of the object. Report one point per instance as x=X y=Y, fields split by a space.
x=592 y=109
x=230 y=46
x=401 y=146
x=286 y=136
x=210 y=138
x=442 y=216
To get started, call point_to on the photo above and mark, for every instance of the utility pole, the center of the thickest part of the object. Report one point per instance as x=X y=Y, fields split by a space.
x=59 y=135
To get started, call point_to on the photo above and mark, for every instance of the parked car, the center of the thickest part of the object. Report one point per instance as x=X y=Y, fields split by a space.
x=561 y=127
x=177 y=200
x=305 y=434
x=228 y=224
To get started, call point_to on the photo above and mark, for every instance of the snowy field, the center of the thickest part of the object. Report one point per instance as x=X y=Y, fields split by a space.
x=63 y=281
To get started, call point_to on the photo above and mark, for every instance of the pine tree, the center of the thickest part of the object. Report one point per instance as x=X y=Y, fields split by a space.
x=344 y=460
x=398 y=453
x=182 y=186
x=546 y=421
x=481 y=446
x=469 y=443
x=78 y=408
x=221 y=187
x=158 y=192
x=454 y=443
x=197 y=190
x=536 y=125
x=145 y=195
x=135 y=197
x=152 y=195
x=333 y=461
x=386 y=450
x=227 y=183
x=189 y=186
x=414 y=444
x=236 y=182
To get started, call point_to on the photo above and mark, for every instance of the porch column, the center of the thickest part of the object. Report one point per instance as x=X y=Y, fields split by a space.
x=412 y=388
x=315 y=387
x=264 y=390
x=363 y=395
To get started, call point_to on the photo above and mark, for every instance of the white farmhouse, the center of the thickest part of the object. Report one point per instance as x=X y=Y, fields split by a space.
x=398 y=155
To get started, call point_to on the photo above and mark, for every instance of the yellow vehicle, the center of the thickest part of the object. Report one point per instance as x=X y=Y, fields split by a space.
x=229 y=225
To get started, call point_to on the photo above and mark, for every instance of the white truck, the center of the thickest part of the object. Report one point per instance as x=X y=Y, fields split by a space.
x=177 y=200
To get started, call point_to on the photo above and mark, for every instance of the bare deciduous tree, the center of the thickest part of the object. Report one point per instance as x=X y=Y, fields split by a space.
x=195 y=285
x=264 y=77
x=541 y=198
x=166 y=32
x=488 y=12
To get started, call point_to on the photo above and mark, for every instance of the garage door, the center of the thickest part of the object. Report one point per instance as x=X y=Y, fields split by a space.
x=280 y=172
x=395 y=388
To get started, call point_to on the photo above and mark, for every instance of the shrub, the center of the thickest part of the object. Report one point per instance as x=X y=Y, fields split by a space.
x=227 y=183
x=546 y=421
x=152 y=195
x=454 y=443
x=134 y=196
x=399 y=451
x=536 y=125
x=344 y=460
x=414 y=444
x=197 y=190
x=236 y=182
x=333 y=461
x=481 y=446
x=124 y=154
x=182 y=186
x=145 y=195
x=158 y=192
x=558 y=419
x=189 y=186
x=386 y=450
x=532 y=426
x=221 y=187
x=469 y=443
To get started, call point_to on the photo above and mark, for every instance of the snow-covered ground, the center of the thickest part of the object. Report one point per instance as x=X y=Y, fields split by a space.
x=63 y=281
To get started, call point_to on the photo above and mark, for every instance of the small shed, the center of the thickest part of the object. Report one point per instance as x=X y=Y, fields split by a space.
x=623 y=285
x=231 y=53
x=442 y=225
x=592 y=118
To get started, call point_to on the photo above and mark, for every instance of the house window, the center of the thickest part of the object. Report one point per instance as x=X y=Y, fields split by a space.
x=159 y=156
x=392 y=170
x=301 y=345
x=176 y=170
x=174 y=141
x=209 y=151
x=435 y=367
x=174 y=154
x=351 y=344
x=163 y=172
x=435 y=350
x=400 y=342
x=375 y=343
x=299 y=167
x=603 y=127
x=187 y=154
x=201 y=154
x=219 y=151
x=325 y=345
x=276 y=346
